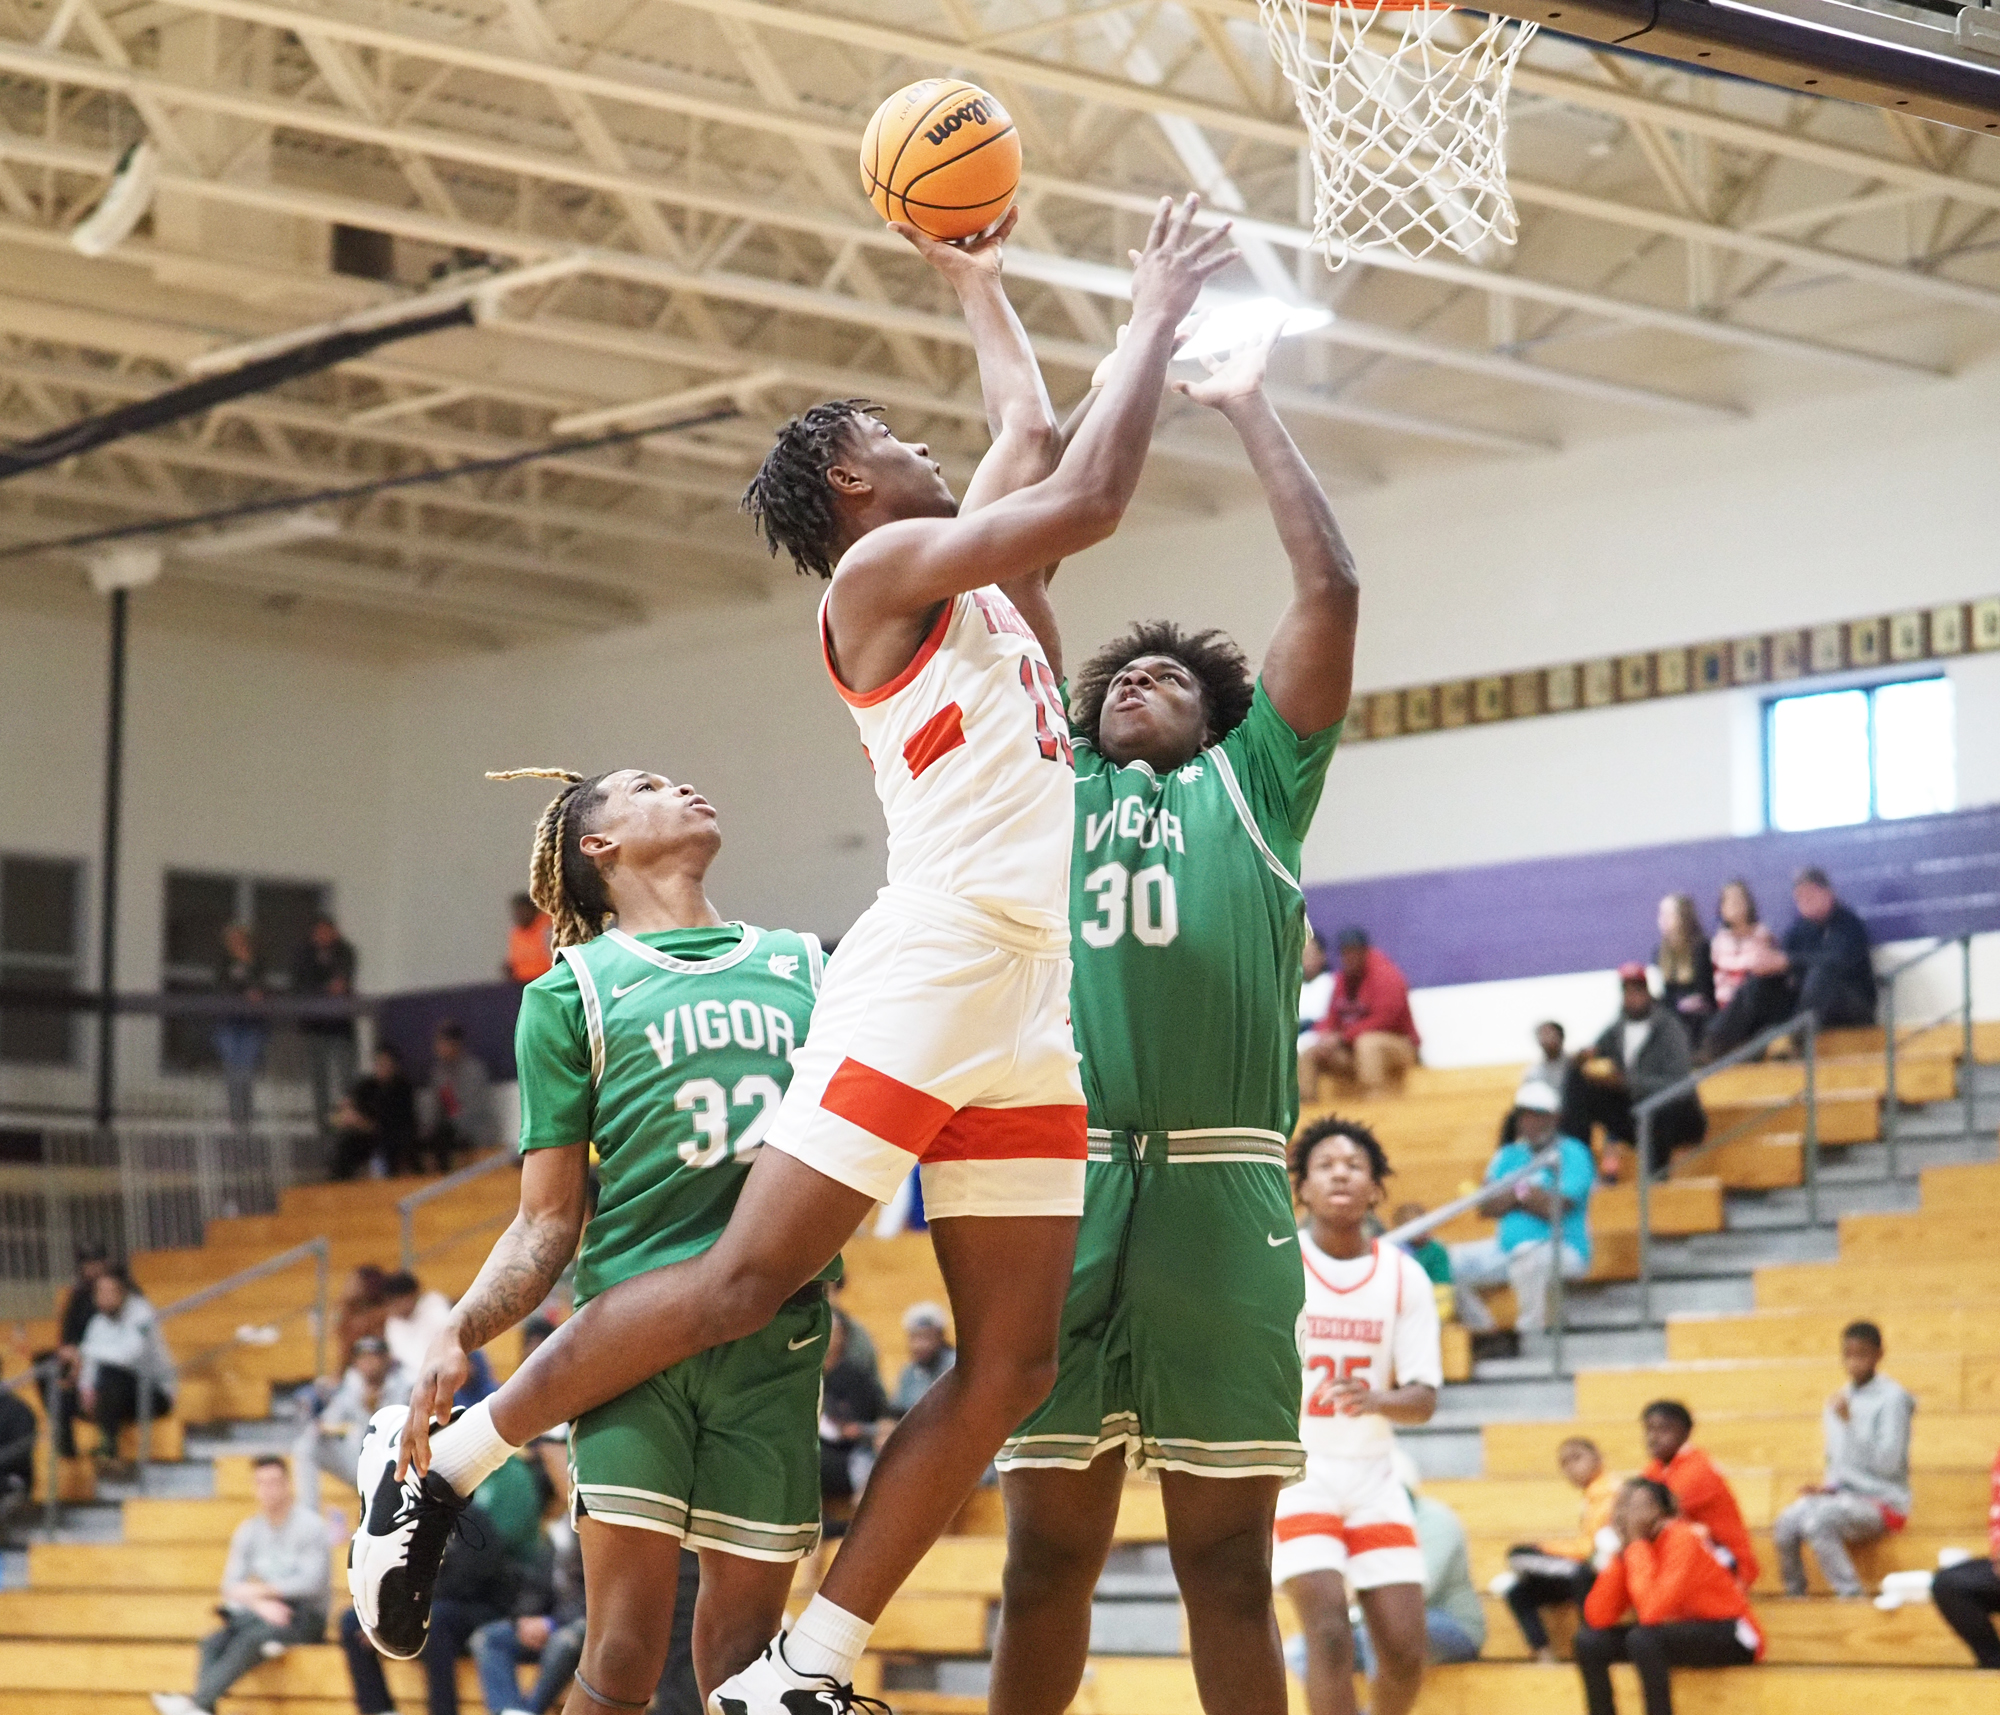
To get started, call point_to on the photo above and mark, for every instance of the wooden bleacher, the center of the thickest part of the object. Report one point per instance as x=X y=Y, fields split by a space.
x=105 y=1623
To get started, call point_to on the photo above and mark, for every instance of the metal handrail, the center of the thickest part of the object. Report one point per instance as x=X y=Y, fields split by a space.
x=1885 y=981
x=46 y=1375
x=1804 y=1025
x=407 y=1207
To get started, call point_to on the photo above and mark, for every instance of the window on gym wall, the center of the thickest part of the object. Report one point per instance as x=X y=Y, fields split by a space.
x=1871 y=752
x=199 y=907
x=41 y=923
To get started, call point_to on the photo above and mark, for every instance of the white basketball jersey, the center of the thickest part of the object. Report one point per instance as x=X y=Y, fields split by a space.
x=1371 y=1319
x=972 y=762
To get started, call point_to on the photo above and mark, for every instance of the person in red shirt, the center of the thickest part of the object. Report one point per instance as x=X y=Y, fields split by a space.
x=1368 y=1036
x=1689 y=1609
x=1968 y=1594
x=1701 y=1492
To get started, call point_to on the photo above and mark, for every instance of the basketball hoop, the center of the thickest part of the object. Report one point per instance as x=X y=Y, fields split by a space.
x=1408 y=125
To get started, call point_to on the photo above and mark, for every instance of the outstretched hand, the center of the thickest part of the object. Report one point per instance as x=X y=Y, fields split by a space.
x=444 y=1371
x=961 y=258
x=1235 y=376
x=1168 y=275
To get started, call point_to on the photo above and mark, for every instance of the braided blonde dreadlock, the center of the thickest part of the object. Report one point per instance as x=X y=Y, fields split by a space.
x=561 y=880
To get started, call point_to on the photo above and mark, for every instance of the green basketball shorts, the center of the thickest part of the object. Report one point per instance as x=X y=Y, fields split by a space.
x=1180 y=1333
x=721 y=1451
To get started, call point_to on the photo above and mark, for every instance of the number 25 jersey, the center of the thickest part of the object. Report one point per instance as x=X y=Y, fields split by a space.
x=670 y=1052
x=972 y=760
x=1370 y=1319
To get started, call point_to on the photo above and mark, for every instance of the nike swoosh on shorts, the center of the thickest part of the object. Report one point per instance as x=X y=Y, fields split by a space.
x=1275 y=1242
x=800 y=1345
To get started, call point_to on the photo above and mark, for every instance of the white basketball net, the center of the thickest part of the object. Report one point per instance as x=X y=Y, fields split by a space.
x=1408 y=126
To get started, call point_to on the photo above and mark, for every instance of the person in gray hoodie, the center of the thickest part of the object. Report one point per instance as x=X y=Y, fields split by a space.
x=1866 y=1491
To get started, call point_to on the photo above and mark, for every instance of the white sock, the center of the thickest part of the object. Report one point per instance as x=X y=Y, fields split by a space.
x=469 y=1451
x=827 y=1640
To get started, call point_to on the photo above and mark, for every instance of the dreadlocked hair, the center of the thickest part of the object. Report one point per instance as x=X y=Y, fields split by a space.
x=561 y=880
x=1212 y=657
x=789 y=499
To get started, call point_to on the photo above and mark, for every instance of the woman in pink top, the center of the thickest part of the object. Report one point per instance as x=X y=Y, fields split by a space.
x=1752 y=989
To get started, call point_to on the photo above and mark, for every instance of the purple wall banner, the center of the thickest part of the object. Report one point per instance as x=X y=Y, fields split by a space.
x=485 y=1009
x=1929 y=875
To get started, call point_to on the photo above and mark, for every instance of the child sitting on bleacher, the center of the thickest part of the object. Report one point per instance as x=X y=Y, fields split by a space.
x=1689 y=1609
x=1559 y=1574
x=1700 y=1491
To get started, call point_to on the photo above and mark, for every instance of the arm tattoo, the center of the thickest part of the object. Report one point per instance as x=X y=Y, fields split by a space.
x=524 y=1266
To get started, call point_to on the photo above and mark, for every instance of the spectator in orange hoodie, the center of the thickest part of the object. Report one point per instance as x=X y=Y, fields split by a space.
x=1701 y=1492
x=1690 y=1611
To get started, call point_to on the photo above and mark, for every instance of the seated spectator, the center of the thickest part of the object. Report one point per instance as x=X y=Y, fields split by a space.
x=19 y=1431
x=1315 y=989
x=275 y=1585
x=375 y=1128
x=1752 y=991
x=528 y=951
x=546 y=1630
x=476 y=1585
x=1519 y=1253
x=931 y=1355
x=1687 y=975
x=413 y=1317
x=1368 y=1037
x=854 y=1414
x=1689 y=1611
x=455 y=1113
x=363 y=1310
x=78 y=1307
x=1701 y=1492
x=1642 y=1052
x=1454 y=1621
x=860 y=1344
x=239 y=1042
x=1826 y=951
x=1968 y=1594
x=1553 y=1066
x=1866 y=1490
x=124 y=1368
x=374 y=1379
x=1559 y=1574
x=1432 y=1257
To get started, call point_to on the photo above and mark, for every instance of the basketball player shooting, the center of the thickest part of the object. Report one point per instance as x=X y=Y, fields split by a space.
x=942 y=1034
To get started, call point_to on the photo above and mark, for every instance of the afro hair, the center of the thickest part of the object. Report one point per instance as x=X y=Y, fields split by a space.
x=1218 y=666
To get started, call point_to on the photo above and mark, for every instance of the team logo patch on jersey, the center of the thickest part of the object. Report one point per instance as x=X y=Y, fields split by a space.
x=1190 y=774
x=784 y=964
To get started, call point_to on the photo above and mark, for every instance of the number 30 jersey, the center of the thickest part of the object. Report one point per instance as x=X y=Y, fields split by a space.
x=1187 y=927
x=972 y=761
x=1371 y=1319
x=670 y=1052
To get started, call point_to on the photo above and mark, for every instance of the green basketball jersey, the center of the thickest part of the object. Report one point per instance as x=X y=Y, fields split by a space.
x=670 y=1052
x=1187 y=926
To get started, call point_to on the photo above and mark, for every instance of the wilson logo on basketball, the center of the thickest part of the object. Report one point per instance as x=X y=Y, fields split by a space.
x=972 y=113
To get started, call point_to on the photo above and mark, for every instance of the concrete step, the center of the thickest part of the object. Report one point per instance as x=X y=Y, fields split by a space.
x=1615 y=1304
x=1444 y=1450
x=1151 y=1626
x=1528 y=1399
x=1776 y=1211
x=1741 y=1252
x=1582 y=1349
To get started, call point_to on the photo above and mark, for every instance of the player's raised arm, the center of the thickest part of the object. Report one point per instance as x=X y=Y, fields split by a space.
x=909 y=566
x=1309 y=666
x=1027 y=440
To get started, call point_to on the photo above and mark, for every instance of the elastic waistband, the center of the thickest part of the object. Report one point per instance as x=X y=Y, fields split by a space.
x=977 y=922
x=1210 y=1143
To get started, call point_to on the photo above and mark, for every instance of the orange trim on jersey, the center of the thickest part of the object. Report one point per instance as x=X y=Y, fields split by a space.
x=1375 y=1262
x=937 y=738
x=884 y=1107
x=1312 y=1524
x=1365 y=1538
x=1055 y=1133
x=918 y=662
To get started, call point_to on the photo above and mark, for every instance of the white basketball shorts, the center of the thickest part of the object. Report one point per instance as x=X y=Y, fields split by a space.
x=1349 y=1516
x=942 y=1037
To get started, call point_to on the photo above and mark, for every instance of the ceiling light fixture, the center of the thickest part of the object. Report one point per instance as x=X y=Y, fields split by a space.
x=1238 y=322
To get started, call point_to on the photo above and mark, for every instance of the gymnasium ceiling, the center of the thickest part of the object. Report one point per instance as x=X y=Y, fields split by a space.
x=1693 y=250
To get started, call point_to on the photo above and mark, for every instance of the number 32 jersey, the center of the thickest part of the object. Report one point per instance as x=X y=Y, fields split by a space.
x=670 y=1052
x=1370 y=1319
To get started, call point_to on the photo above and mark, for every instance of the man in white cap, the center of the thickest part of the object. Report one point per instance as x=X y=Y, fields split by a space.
x=931 y=1354
x=1520 y=1251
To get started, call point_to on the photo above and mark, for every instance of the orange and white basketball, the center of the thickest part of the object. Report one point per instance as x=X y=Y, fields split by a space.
x=942 y=155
